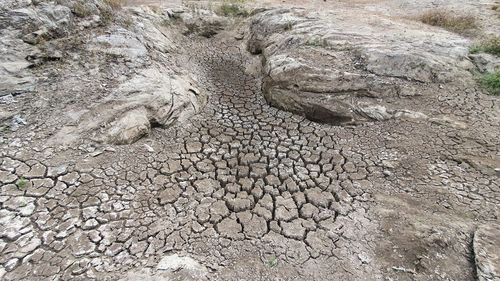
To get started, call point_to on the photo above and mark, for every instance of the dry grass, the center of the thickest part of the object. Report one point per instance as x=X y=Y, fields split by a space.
x=115 y=4
x=462 y=24
x=489 y=45
x=496 y=8
x=232 y=8
x=80 y=10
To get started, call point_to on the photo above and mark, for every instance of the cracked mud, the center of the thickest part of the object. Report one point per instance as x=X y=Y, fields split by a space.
x=253 y=192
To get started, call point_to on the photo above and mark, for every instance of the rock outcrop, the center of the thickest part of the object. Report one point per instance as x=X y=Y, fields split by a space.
x=336 y=71
x=486 y=245
x=151 y=98
x=143 y=86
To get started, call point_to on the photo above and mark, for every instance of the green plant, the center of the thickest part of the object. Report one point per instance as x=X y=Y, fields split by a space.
x=490 y=45
x=491 y=82
x=232 y=8
x=80 y=10
x=317 y=42
x=272 y=262
x=463 y=24
x=21 y=182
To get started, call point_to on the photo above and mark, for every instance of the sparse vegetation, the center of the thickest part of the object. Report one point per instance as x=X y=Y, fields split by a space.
x=232 y=8
x=115 y=4
x=272 y=262
x=491 y=82
x=489 y=45
x=462 y=24
x=317 y=42
x=21 y=182
x=80 y=10
x=127 y=22
x=106 y=17
x=288 y=26
x=156 y=9
x=496 y=7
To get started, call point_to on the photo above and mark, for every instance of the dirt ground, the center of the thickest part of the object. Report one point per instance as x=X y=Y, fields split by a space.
x=248 y=191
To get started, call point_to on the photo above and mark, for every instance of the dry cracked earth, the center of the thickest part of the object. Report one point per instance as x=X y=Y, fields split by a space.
x=246 y=191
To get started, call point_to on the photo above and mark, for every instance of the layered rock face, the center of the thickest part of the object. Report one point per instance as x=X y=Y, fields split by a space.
x=336 y=70
x=92 y=44
x=487 y=258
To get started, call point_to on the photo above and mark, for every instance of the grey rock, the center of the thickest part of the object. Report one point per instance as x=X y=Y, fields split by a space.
x=11 y=264
x=486 y=244
x=332 y=71
x=486 y=62
x=122 y=43
x=186 y=268
x=152 y=97
x=130 y=127
x=56 y=171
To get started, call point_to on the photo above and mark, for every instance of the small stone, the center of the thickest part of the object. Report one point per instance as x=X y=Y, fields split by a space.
x=365 y=259
x=11 y=264
x=90 y=224
x=56 y=171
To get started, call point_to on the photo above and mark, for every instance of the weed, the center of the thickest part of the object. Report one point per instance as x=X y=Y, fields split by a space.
x=491 y=82
x=232 y=8
x=107 y=16
x=462 y=24
x=128 y=22
x=115 y=4
x=80 y=10
x=21 y=182
x=490 y=45
x=156 y=9
x=317 y=42
x=272 y=262
x=288 y=26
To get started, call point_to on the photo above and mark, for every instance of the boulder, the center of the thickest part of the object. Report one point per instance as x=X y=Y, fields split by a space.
x=336 y=71
x=486 y=62
x=15 y=76
x=152 y=98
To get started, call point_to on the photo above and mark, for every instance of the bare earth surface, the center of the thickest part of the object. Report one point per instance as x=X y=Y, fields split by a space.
x=242 y=190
